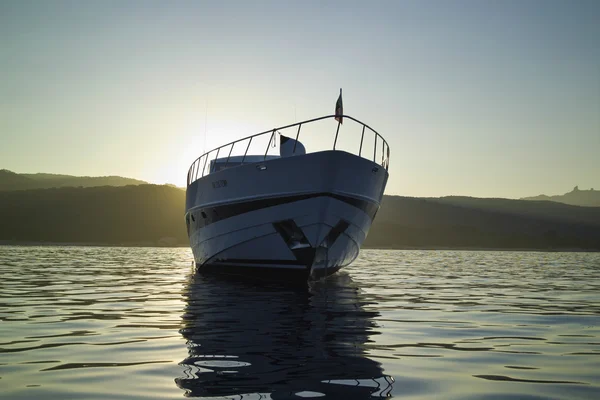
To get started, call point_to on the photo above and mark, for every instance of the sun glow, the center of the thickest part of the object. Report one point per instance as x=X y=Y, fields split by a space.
x=191 y=142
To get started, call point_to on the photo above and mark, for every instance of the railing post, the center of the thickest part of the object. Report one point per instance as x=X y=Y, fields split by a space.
x=247 y=147
x=387 y=160
x=204 y=165
x=336 y=134
x=387 y=156
x=219 y=149
x=269 y=145
x=375 y=149
x=382 y=150
x=229 y=155
x=361 y=140
x=297 y=136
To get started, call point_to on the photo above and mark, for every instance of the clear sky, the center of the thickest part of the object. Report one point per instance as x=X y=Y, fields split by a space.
x=478 y=98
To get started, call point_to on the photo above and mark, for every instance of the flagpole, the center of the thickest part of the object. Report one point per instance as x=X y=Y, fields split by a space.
x=336 y=134
x=339 y=116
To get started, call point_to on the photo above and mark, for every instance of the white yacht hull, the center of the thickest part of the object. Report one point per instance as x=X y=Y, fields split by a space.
x=303 y=216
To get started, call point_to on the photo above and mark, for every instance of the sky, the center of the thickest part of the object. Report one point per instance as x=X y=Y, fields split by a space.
x=475 y=98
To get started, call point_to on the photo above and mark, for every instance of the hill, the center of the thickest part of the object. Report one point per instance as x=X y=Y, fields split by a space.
x=576 y=197
x=141 y=214
x=145 y=214
x=12 y=181
x=461 y=222
x=547 y=210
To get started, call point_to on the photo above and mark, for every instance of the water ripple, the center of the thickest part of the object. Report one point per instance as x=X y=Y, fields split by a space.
x=136 y=323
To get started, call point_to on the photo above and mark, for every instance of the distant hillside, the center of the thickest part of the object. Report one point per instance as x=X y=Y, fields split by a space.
x=12 y=181
x=576 y=197
x=141 y=214
x=547 y=210
x=483 y=223
x=145 y=214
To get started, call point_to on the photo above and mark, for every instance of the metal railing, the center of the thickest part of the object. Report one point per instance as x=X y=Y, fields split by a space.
x=198 y=169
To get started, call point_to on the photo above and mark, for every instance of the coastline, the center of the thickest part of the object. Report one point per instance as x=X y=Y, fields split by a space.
x=473 y=248
x=32 y=243
x=400 y=248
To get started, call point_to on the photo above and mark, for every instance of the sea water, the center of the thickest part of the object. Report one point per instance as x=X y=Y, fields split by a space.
x=138 y=323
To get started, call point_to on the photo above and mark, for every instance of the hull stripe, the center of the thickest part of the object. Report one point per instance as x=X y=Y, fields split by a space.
x=205 y=216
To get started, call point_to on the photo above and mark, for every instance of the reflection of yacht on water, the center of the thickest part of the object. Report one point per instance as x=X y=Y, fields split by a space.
x=248 y=341
x=298 y=213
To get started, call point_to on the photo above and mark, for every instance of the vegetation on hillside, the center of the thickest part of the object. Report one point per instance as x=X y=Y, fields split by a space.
x=532 y=209
x=576 y=197
x=142 y=214
x=12 y=181
x=145 y=214
x=483 y=223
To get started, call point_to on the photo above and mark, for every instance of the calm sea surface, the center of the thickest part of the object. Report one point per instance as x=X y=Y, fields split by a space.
x=136 y=323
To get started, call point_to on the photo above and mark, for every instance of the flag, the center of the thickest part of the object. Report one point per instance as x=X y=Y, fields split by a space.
x=339 y=109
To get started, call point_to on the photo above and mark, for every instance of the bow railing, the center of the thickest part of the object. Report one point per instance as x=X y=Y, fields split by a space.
x=265 y=141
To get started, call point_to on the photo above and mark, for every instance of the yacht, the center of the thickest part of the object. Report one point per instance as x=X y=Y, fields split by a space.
x=267 y=206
